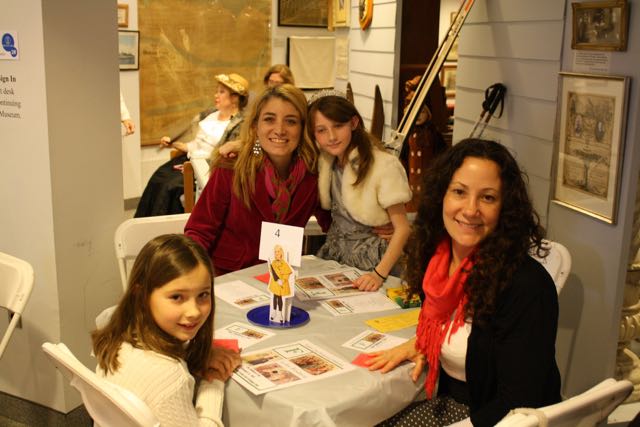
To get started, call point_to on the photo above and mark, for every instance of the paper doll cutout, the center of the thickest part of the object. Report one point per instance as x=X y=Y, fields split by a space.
x=280 y=286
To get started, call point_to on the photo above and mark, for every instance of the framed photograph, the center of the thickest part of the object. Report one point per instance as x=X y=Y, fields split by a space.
x=123 y=15
x=600 y=25
x=590 y=139
x=341 y=9
x=448 y=78
x=304 y=13
x=128 y=49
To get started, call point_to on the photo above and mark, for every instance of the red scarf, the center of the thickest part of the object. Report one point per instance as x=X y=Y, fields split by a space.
x=280 y=190
x=444 y=294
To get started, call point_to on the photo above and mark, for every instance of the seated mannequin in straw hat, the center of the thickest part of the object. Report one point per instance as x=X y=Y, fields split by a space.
x=215 y=127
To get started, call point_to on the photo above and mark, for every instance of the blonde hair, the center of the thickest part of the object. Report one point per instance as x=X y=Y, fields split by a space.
x=248 y=164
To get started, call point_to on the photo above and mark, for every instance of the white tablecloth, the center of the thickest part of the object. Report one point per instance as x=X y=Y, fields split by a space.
x=356 y=398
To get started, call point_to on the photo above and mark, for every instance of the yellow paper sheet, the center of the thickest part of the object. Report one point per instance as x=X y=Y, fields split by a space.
x=395 y=322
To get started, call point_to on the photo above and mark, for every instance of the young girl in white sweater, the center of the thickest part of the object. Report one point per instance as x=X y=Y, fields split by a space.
x=159 y=337
x=363 y=186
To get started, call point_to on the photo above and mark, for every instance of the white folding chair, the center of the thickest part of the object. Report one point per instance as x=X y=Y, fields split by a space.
x=134 y=233
x=557 y=262
x=584 y=410
x=16 y=283
x=107 y=403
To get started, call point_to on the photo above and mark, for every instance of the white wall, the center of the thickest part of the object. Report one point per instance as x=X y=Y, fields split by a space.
x=55 y=215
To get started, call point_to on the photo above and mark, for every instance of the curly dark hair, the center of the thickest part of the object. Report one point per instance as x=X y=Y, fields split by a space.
x=498 y=256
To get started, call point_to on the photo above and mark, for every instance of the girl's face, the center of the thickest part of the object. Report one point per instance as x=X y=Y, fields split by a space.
x=471 y=206
x=279 y=129
x=275 y=79
x=223 y=97
x=181 y=306
x=333 y=137
x=278 y=253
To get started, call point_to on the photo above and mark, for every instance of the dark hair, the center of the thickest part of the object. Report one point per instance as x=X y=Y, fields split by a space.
x=160 y=261
x=340 y=110
x=501 y=252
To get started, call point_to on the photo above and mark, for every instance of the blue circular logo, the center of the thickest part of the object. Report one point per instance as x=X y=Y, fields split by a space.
x=8 y=44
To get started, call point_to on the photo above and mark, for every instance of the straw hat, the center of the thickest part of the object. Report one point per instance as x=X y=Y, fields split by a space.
x=235 y=82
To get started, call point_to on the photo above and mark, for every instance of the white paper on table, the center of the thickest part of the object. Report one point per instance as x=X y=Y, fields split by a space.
x=371 y=340
x=287 y=365
x=247 y=335
x=367 y=303
x=327 y=284
x=241 y=295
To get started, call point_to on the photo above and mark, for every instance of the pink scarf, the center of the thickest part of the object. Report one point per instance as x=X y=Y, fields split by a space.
x=444 y=294
x=280 y=190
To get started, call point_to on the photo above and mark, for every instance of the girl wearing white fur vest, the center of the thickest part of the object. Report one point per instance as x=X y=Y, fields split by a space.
x=363 y=186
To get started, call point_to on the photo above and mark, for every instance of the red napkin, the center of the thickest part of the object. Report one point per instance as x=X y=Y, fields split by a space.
x=361 y=360
x=263 y=277
x=227 y=343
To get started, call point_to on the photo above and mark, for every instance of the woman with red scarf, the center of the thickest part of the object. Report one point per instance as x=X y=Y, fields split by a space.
x=273 y=179
x=488 y=324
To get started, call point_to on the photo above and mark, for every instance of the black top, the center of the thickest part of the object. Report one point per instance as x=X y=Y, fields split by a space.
x=511 y=357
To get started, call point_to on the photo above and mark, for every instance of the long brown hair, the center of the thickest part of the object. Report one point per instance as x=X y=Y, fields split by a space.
x=248 y=164
x=160 y=261
x=340 y=110
x=499 y=255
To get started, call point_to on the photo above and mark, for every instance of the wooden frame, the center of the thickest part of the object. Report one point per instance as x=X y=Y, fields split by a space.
x=303 y=13
x=128 y=49
x=123 y=15
x=590 y=135
x=341 y=11
x=600 y=25
x=365 y=13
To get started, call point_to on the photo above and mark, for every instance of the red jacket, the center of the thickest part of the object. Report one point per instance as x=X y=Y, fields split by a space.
x=230 y=232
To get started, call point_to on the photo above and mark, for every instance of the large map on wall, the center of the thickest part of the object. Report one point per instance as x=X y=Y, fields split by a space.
x=183 y=44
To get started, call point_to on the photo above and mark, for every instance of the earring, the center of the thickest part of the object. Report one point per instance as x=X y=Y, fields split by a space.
x=257 y=149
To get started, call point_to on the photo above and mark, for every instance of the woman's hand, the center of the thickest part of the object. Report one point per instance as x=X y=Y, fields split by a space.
x=368 y=282
x=222 y=363
x=386 y=360
x=165 y=141
x=230 y=149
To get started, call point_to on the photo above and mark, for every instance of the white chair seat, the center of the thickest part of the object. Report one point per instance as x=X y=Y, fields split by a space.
x=108 y=404
x=584 y=410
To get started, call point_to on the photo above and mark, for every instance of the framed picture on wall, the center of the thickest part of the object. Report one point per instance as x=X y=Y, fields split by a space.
x=303 y=13
x=600 y=25
x=448 y=78
x=590 y=139
x=128 y=49
x=123 y=15
x=341 y=16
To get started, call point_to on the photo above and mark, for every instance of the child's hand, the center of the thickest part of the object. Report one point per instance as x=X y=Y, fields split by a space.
x=368 y=282
x=222 y=363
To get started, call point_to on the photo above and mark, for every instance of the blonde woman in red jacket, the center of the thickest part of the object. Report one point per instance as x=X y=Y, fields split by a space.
x=273 y=179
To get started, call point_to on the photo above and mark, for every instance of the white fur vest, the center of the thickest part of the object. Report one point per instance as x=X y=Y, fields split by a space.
x=385 y=185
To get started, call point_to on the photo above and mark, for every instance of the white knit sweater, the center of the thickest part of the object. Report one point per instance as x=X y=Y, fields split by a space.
x=167 y=387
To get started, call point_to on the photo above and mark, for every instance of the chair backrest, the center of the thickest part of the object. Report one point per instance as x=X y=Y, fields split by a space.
x=584 y=410
x=16 y=283
x=107 y=403
x=134 y=233
x=557 y=262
